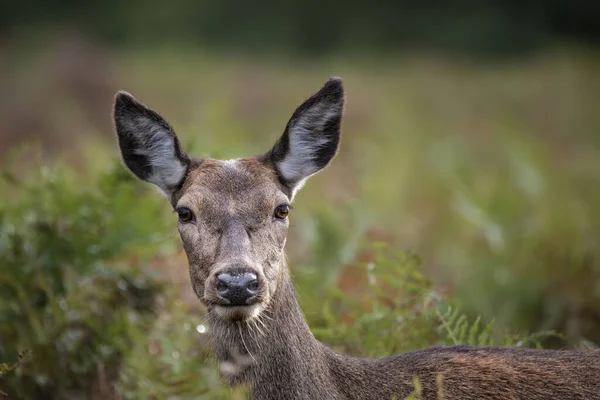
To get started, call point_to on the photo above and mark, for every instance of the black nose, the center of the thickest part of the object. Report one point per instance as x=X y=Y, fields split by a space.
x=237 y=288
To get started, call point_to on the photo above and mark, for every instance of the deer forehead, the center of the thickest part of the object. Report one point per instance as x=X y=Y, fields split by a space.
x=242 y=187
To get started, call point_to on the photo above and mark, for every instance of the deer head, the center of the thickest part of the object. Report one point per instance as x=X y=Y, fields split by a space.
x=233 y=215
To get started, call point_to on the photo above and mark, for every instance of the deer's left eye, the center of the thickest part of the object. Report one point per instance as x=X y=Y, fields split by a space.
x=282 y=211
x=185 y=215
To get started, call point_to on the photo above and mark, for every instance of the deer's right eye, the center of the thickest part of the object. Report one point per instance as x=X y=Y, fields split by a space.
x=185 y=214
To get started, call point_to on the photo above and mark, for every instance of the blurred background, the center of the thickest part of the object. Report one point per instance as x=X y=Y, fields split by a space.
x=468 y=179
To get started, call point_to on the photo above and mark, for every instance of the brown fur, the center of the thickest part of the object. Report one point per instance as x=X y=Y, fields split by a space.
x=268 y=345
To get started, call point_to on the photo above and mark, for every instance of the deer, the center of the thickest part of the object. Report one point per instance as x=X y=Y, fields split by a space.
x=233 y=223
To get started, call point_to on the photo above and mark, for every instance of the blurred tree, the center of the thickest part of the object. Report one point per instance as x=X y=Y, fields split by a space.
x=315 y=27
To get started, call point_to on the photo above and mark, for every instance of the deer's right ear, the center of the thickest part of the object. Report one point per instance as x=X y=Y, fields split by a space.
x=149 y=146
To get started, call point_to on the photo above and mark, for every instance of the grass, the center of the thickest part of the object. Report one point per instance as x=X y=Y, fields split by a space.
x=489 y=172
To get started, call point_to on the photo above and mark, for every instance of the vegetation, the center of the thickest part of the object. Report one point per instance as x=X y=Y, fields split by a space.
x=65 y=298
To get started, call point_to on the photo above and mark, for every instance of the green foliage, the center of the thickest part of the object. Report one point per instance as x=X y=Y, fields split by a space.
x=64 y=297
x=398 y=310
x=458 y=330
x=393 y=312
x=528 y=236
x=7 y=368
x=416 y=394
x=171 y=359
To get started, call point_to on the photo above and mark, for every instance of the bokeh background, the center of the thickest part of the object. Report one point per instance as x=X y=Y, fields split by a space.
x=463 y=207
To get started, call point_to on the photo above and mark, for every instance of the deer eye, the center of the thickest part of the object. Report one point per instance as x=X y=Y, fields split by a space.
x=282 y=211
x=185 y=214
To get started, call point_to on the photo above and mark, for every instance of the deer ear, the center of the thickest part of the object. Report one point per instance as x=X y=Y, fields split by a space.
x=311 y=137
x=149 y=146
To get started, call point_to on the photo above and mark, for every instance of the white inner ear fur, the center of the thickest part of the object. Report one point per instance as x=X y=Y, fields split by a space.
x=159 y=147
x=305 y=139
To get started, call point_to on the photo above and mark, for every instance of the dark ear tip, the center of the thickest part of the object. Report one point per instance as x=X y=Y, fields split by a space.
x=334 y=87
x=124 y=101
x=123 y=97
x=335 y=83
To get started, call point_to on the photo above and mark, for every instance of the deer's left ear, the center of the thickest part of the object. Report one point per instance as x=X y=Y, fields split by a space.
x=311 y=137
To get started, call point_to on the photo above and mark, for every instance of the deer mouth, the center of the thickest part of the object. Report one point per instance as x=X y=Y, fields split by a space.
x=238 y=313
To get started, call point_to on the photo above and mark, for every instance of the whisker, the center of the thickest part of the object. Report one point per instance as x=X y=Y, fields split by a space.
x=265 y=314
x=204 y=318
x=266 y=325
x=256 y=339
x=259 y=320
x=255 y=323
x=244 y=343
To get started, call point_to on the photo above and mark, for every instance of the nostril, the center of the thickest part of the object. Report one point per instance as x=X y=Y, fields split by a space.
x=253 y=285
x=222 y=286
x=249 y=283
